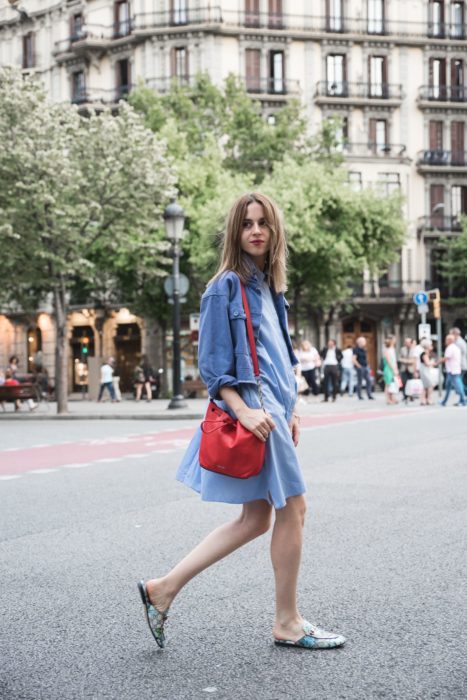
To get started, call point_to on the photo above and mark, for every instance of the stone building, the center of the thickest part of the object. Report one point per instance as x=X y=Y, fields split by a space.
x=392 y=69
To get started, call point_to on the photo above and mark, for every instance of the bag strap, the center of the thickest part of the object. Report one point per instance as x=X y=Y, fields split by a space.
x=249 y=330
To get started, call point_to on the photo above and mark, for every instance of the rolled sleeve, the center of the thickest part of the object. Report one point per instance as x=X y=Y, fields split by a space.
x=216 y=352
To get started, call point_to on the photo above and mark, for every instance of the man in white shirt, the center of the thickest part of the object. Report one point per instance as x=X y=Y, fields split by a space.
x=347 y=379
x=452 y=360
x=106 y=381
x=462 y=345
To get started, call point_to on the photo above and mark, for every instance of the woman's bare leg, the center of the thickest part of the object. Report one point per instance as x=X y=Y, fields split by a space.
x=147 y=386
x=286 y=551
x=139 y=389
x=254 y=520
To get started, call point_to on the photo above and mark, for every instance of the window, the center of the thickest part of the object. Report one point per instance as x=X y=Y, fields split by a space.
x=253 y=74
x=458 y=201
x=178 y=12
x=122 y=25
x=123 y=77
x=457 y=143
x=252 y=13
x=180 y=63
x=275 y=13
x=436 y=135
x=28 y=50
x=457 y=20
x=389 y=183
x=376 y=16
x=355 y=181
x=378 y=76
x=378 y=137
x=334 y=16
x=436 y=206
x=437 y=68
x=78 y=87
x=77 y=27
x=276 y=72
x=341 y=134
x=436 y=26
x=457 y=79
x=336 y=74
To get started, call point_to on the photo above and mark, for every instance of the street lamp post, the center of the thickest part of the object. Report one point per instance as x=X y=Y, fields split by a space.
x=174 y=217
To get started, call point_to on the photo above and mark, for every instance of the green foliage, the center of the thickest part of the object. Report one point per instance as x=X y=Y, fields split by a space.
x=333 y=232
x=452 y=266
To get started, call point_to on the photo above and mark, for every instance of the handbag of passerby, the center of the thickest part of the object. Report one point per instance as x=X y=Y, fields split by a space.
x=253 y=254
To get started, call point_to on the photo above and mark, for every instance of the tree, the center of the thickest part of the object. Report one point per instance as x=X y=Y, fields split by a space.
x=80 y=194
x=334 y=233
x=452 y=267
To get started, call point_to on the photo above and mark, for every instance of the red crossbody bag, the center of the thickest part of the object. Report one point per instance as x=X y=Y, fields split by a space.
x=226 y=446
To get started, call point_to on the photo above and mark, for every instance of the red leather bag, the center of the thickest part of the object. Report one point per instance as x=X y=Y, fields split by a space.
x=226 y=446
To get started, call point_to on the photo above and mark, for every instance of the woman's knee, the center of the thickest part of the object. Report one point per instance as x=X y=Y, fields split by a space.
x=256 y=519
x=295 y=508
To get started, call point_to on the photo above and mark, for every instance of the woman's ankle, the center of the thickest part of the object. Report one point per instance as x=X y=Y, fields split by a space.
x=160 y=592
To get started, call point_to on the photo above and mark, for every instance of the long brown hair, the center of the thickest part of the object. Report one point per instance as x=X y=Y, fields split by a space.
x=232 y=257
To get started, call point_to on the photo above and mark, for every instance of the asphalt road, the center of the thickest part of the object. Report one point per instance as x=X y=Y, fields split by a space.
x=384 y=563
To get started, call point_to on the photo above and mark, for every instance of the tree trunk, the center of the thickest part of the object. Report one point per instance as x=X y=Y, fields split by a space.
x=61 y=355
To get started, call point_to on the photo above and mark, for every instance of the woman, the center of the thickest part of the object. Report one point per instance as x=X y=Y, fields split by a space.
x=427 y=363
x=310 y=361
x=390 y=370
x=254 y=251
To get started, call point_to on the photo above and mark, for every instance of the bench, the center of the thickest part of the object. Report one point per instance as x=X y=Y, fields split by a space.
x=191 y=387
x=18 y=392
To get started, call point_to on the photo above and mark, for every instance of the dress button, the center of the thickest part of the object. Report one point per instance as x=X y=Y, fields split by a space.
x=235 y=313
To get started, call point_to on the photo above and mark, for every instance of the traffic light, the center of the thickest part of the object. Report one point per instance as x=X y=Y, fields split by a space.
x=435 y=297
x=84 y=346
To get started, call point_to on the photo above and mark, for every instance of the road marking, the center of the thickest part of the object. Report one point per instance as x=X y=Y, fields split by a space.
x=78 y=465
x=41 y=471
x=10 y=476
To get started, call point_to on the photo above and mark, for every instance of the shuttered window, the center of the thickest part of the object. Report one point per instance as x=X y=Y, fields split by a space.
x=253 y=70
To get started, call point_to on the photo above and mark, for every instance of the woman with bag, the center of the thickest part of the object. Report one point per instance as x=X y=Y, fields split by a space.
x=392 y=380
x=246 y=360
x=427 y=363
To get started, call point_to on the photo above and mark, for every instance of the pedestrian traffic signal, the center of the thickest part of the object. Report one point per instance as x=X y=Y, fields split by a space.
x=434 y=297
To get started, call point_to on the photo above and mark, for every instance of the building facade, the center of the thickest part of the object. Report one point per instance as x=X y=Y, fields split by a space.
x=393 y=70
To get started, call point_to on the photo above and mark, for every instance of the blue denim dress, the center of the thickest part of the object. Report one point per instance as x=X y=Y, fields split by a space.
x=281 y=475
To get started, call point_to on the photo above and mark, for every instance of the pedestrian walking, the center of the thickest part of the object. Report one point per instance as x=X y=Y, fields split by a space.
x=115 y=379
x=310 y=361
x=462 y=345
x=427 y=363
x=392 y=380
x=407 y=362
x=360 y=359
x=106 y=381
x=253 y=253
x=348 y=370
x=452 y=360
x=144 y=375
x=332 y=358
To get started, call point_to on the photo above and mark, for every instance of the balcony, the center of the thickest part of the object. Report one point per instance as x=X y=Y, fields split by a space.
x=373 y=150
x=441 y=160
x=94 y=97
x=328 y=92
x=214 y=18
x=270 y=88
x=443 y=95
x=92 y=37
x=438 y=225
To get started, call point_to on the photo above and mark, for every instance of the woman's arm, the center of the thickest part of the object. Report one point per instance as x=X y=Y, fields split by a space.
x=255 y=420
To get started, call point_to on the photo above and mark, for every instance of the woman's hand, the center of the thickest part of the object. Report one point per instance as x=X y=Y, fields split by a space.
x=294 y=426
x=256 y=421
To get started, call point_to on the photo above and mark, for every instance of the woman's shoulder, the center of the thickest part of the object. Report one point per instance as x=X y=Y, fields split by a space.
x=225 y=284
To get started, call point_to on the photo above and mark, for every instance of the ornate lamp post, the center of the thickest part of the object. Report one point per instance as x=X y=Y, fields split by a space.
x=174 y=217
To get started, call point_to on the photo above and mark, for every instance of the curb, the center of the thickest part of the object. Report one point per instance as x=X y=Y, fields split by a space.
x=121 y=416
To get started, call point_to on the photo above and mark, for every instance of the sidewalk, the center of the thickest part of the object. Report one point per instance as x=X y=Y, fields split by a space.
x=128 y=409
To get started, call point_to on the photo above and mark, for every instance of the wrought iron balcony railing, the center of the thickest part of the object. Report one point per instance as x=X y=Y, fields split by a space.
x=271 y=86
x=443 y=93
x=368 y=91
x=94 y=36
x=441 y=158
x=374 y=150
x=101 y=96
x=339 y=24
x=440 y=223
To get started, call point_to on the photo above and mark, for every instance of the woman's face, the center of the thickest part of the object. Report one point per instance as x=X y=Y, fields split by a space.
x=256 y=235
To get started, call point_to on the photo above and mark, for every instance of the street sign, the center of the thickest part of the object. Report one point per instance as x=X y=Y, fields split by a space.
x=424 y=330
x=423 y=308
x=420 y=298
x=194 y=322
x=184 y=285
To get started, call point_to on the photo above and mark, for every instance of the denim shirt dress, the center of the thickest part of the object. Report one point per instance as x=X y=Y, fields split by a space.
x=225 y=360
